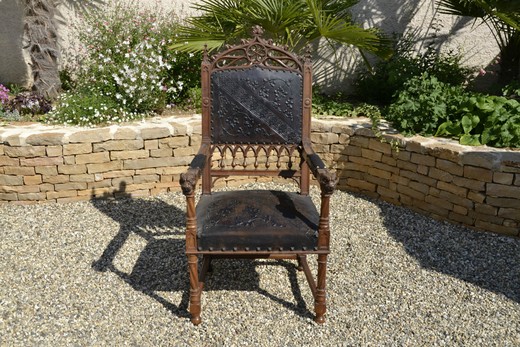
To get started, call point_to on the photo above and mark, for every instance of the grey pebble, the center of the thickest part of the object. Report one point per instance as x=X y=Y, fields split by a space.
x=113 y=272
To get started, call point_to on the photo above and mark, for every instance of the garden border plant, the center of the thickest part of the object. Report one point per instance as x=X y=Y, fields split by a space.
x=127 y=70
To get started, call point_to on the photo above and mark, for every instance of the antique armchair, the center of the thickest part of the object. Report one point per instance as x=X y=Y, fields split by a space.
x=256 y=113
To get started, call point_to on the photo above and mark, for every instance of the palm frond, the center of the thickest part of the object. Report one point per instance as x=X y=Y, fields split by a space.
x=291 y=22
x=470 y=8
x=338 y=30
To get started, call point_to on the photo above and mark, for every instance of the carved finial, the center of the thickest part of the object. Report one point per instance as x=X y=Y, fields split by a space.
x=308 y=54
x=258 y=31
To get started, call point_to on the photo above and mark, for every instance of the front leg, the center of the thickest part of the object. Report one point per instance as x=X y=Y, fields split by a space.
x=320 y=298
x=195 y=289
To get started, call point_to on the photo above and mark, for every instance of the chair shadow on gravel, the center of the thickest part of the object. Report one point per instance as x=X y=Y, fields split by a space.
x=487 y=260
x=161 y=266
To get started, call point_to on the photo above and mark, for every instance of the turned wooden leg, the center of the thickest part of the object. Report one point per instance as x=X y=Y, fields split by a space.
x=319 y=300
x=195 y=289
x=300 y=265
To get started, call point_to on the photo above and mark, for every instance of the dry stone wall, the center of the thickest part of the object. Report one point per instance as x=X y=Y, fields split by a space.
x=68 y=164
x=475 y=186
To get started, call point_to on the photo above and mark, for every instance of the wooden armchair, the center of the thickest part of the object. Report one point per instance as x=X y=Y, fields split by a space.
x=256 y=113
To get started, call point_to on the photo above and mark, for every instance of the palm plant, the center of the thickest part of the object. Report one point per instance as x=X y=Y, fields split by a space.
x=503 y=18
x=42 y=37
x=295 y=23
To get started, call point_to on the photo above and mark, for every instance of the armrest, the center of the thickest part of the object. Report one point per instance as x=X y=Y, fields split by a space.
x=190 y=178
x=326 y=179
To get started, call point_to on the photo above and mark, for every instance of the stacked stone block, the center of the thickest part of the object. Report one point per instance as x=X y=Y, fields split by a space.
x=474 y=186
x=77 y=164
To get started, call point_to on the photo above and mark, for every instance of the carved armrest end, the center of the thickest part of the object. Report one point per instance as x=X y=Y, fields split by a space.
x=189 y=179
x=326 y=179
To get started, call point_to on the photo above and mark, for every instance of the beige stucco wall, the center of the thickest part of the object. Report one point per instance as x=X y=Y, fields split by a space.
x=446 y=32
x=14 y=63
x=420 y=19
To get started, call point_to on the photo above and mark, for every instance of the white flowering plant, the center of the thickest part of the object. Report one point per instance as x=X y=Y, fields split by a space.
x=126 y=69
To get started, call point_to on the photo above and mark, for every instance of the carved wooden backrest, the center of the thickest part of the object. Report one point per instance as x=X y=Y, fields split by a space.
x=256 y=106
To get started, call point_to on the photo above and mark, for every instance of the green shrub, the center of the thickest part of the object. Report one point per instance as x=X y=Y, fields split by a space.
x=427 y=106
x=330 y=105
x=512 y=90
x=88 y=109
x=423 y=104
x=381 y=85
x=194 y=100
x=126 y=67
x=29 y=103
x=485 y=120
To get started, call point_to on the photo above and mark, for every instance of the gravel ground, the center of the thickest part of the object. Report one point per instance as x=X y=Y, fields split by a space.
x=113 y=272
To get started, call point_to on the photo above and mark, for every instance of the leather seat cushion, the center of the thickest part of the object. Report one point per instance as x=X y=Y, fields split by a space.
x=256 y=220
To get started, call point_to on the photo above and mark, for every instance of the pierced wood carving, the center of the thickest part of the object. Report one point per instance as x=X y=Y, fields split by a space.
x=258 y=51
x=248 y=156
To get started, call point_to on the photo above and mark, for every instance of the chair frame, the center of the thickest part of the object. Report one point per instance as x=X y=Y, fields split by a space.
x=276 y=58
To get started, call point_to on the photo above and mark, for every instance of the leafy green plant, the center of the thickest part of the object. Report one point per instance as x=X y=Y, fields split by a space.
x=512 y=90
x=127 y=68
x=88 y=109
x=382 y=84
x=194 y=100
x=289 y=22
x=374 y=113
x=423 y=104
x=15 y=89
x=485 y=119
x=29 y=103
x=335 y=105
x=22 y=106
x=10 y=116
